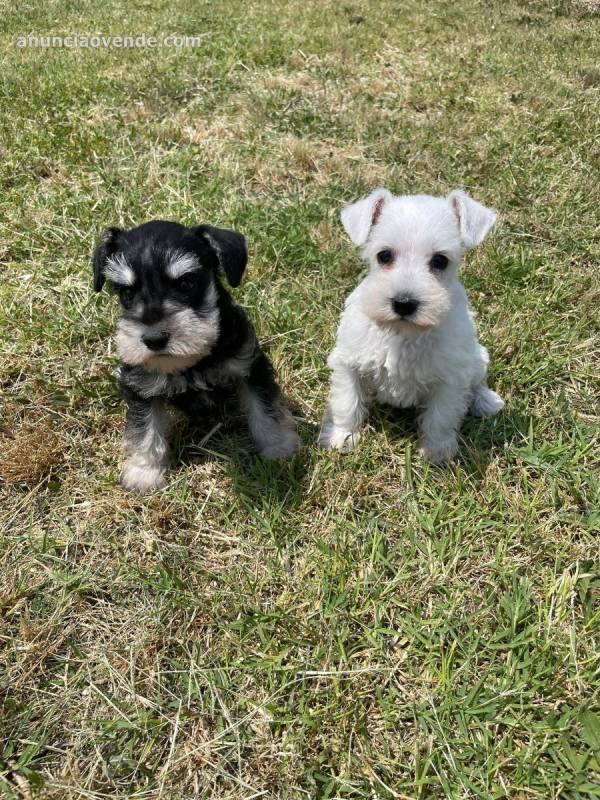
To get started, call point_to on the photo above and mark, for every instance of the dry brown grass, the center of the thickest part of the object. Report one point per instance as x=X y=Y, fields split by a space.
x=30 y=445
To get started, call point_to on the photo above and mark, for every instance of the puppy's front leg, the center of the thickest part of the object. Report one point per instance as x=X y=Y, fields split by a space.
x=269 y=419
x=440 y=422
x=146 y=446
x=346 y=410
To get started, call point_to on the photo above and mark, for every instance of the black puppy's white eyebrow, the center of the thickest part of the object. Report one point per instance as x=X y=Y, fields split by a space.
x=118 y=270
x=180 y=264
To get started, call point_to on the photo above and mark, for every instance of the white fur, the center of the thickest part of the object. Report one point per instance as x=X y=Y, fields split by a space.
x=432 y=361
x=357 y=217
x=181 y=263
x=118 y=270
x=475 y=220
x=146 y=461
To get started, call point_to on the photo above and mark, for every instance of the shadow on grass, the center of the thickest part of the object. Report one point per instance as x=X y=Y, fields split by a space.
x=224 y=437
x=481 y=439
x=282 y=485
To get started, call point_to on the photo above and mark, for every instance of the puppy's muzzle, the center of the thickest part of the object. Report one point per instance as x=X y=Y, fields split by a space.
x=405 y=306
x=156 y=340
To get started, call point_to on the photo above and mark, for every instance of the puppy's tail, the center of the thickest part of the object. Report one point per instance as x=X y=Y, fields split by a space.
x=485 y=402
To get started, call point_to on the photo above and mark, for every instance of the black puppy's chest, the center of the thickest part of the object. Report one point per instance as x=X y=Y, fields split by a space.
x=148 y=385
x=205 y=384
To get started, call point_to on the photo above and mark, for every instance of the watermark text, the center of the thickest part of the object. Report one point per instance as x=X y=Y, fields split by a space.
x=76 y=41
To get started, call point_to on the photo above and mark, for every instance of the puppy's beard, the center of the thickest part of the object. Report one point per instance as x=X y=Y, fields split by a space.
x=167 y=365
x=434 y=304
x=192 y=335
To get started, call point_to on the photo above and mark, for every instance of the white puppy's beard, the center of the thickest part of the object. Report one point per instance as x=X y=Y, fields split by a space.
x=433 y=308
x=380 y=311
x=192 y=337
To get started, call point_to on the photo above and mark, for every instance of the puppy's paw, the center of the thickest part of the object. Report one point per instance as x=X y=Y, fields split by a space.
x=140 y=475
x=439 y=452
x=282 y=447
x=486 y=402
x=334 y=438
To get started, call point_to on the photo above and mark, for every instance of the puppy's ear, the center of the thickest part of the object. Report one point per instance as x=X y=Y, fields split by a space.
x=360 y=217
x=229 y=247
x=103 y=251
x=474 y=220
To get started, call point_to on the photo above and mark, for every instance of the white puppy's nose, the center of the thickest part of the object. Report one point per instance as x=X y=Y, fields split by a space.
x=404 y=306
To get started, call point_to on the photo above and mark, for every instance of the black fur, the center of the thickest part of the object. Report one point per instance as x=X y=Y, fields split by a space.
x=231 y=249
x=105 y=249
x=150 y=297
x=261 y=381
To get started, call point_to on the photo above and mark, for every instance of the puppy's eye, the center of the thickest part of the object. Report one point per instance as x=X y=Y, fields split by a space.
x=186 y=284
x=126 y=297
x=438 y=261
x=385 y=256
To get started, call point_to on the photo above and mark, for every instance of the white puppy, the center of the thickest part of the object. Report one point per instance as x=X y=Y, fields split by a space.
x=406 y=336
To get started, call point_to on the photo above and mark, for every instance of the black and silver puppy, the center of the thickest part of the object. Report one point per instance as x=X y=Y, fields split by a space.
x=183 y=340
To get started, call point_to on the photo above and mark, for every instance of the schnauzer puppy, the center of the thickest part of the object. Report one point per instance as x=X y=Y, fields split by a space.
x=183 y=341
x=406 y=336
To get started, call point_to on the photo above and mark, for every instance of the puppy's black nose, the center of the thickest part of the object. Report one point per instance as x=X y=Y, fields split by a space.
x=405 y=306
x=155 y=340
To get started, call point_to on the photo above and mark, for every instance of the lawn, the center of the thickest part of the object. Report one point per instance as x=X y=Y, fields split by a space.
x=343 y=626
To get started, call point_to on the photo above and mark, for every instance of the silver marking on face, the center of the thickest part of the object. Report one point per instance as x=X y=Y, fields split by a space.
x=118 y=270
x=181 y=263
x=192 y=335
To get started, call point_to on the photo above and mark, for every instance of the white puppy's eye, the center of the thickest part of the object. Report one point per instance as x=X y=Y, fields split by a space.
x=385 y=256
x=439 y=261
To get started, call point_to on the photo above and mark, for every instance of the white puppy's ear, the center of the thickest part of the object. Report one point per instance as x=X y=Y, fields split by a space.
x=359 y=218
x=474 y=220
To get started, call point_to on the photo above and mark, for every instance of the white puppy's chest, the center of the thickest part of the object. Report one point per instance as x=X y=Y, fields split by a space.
x=401 y=378
x=404 y=368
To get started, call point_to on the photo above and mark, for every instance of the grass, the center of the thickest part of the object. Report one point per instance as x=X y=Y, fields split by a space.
x=359 y=626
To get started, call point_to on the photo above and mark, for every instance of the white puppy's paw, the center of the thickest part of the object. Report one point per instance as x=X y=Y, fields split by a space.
x=486 y=402
x=439 y=452
x=140 y=475
x=283 y=447
x=334 y=438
